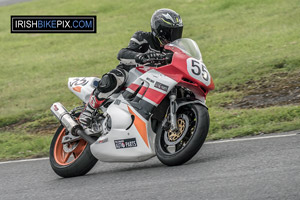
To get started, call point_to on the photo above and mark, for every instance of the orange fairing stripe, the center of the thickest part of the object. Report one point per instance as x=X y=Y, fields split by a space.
x=77 y=89
x=140 y=126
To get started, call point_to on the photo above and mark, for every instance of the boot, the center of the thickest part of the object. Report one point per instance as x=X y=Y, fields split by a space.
x=109 y=84
x=85 y=117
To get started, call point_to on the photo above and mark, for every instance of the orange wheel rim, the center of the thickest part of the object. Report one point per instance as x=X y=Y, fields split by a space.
x=66 y=158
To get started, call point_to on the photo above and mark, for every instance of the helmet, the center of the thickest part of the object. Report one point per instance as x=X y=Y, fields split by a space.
x=166 y=25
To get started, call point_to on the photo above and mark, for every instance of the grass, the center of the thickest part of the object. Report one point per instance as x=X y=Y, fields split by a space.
x=20 y=145
x=241 y=122
x=240 y=40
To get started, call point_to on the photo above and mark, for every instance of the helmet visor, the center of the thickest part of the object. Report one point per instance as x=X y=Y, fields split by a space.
x=171 y=34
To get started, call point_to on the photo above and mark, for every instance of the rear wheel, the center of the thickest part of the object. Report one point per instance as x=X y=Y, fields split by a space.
x=177 y=147
x=70 y=159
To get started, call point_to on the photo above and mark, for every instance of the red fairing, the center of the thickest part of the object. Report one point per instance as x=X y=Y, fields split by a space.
x=151 y=94
x=133 y=87
x=177 y=70
x=154 y=95
x=142 y=69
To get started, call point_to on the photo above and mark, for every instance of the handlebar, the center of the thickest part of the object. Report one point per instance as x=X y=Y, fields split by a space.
x=159 y=62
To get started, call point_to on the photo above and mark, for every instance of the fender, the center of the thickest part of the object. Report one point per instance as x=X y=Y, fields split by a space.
x=160 y=112
x=181 y=102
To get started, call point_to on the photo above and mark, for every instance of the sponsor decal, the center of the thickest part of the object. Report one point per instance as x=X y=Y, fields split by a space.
x=77 y=89
x=150 y=80
x=117 y=101
x=143 y=69
x=161 y=86
x=79 y=82
x=53 y=24
x=103 y=141
x=55 y=108
x=93 y=101
x=125 y=143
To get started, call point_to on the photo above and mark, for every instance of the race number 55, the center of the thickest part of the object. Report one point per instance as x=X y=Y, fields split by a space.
x=198 y=70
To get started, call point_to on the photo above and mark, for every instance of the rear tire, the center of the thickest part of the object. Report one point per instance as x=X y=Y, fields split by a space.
x=62 y=163
x=192 y=141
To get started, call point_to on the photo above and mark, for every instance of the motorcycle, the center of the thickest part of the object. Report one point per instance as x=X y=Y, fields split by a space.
x=161 y=111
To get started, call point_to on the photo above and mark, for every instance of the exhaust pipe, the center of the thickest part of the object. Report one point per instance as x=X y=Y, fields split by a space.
x=64 y=117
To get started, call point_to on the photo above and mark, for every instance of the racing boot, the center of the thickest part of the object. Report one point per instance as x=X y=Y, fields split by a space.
x=85 y=117
x=110 y=83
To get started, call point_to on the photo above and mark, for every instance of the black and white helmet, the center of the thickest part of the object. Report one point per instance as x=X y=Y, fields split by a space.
x=166 y=25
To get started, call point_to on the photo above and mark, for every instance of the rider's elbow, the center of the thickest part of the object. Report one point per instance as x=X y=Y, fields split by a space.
x=121 y=54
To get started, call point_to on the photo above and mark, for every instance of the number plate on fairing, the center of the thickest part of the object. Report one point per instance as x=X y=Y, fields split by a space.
x=125 y=143
x=198 y=70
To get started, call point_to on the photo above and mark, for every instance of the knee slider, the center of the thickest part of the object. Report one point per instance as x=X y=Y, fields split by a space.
x=107 y=83
x=121 y=75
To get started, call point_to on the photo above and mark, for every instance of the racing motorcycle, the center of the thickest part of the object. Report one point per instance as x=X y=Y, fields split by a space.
x=161 y=111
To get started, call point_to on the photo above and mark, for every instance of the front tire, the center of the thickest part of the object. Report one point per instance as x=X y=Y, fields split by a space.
x=77 y=162
x=176 y=148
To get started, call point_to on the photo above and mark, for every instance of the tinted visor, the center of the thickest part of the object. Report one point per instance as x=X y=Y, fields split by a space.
x=172 y=34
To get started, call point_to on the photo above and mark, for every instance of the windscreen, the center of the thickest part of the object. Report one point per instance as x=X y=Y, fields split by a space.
x=188 y=46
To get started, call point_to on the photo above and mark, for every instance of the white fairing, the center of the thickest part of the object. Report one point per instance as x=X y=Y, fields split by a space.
x=154 y=80
x=83 y=86
x=121 y=145
x=132 y=76
x=131 y=138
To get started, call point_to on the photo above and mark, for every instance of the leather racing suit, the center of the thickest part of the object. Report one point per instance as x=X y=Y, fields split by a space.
x=142 y=45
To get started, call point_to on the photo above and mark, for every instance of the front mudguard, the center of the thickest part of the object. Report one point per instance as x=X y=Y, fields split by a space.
x=183 y=102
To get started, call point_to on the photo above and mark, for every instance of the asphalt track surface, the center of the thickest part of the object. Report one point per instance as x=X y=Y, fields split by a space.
x=261 y=168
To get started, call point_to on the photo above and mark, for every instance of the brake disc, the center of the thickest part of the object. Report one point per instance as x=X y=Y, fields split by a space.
x=172 y=138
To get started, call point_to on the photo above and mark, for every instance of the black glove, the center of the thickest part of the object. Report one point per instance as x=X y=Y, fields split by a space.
x=143 y=58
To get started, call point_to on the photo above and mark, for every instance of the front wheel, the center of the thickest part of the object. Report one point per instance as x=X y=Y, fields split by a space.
x=71 y=159
x=177 y=147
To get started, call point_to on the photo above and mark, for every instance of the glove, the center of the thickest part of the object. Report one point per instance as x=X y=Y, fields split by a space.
x=143 y=58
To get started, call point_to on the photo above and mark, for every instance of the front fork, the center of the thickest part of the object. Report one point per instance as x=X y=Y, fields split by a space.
x=173 y=109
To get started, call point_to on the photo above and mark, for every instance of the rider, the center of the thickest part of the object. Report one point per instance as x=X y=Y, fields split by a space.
x=166 y=26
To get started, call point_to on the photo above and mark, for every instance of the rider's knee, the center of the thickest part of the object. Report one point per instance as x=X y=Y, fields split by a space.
x=112 y=81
